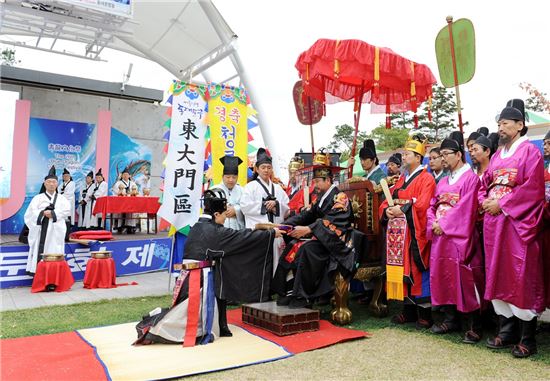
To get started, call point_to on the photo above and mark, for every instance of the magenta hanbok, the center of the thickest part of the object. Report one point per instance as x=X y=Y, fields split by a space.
x=513 y=255
x=456 y=262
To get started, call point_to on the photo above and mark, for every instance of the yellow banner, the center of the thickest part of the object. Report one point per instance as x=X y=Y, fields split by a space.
x=227 y=118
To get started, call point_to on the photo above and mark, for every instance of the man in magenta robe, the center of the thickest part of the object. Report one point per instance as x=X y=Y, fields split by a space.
x=512 y=198
x=456 y=262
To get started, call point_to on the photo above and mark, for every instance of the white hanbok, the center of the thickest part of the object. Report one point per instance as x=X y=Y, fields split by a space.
x=98 y=190
x=233 y=199
x=68 y=190
x=251 y=206
x=54 y=242
x=85 y=211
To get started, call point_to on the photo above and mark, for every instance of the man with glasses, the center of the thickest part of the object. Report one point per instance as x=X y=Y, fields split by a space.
x=436 y=165
x=512 y=199
x=456 y=262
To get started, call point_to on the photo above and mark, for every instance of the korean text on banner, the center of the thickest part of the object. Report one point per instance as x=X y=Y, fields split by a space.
x=185 y=157
x=228 y=129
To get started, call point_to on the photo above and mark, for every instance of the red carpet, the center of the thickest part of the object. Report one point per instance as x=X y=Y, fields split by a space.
x=61 y=356
x=328 y=334
x=66 y=356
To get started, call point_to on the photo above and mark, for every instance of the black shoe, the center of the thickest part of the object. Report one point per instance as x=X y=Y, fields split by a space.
x=296 y=303
x=225 y=332
x=527 y=345
x=507 y=334
x=50 y=287
x=442 y=328
x=284 y=300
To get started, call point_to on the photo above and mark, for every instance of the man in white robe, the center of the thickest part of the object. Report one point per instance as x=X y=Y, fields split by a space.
x=45 y=218
x=233 y=191
x=265 y=202
x=123 y=187
x=85 y=203
x=67 y=189
x=100 y=189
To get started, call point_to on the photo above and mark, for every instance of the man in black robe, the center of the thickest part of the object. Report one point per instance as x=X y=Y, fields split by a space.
x=243 y=267
x=307 y=267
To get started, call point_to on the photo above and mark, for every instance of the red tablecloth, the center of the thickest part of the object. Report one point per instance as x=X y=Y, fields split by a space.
x=118 y=204
x=57 y=273
x=100 y=273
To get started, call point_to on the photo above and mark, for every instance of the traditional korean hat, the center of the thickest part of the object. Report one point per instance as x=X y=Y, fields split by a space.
x=215 y=200
x=322 y=171
x=483 y=131
x=417 y=144
x=321 y=158
x=231 y=164
x=451 y=144
x=65 y=172
x=459 y=138
x=295 y=164
x=473 y=136
x=51 y=174
x=396 y=158
x=98 y=173
x=90 y=174
x=518 y=104
x=125 y=170
x=368 y=151
x=263 y=157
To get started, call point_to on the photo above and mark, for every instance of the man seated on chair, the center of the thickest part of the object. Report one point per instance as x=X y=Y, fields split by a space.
x=307 y=268
x=242 y=272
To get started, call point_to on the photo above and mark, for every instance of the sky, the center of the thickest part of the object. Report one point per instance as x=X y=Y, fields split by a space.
x=512 y=46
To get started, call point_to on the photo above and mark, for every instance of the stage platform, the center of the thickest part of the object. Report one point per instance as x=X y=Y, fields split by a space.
x=133 y=254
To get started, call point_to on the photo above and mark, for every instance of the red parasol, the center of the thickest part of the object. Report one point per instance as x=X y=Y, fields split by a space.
x=352 y=70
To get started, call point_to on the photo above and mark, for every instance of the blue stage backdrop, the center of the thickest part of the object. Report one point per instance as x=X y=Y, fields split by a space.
x=72 y=145
x=131 y=257
x=128 y=153
x=61 y=143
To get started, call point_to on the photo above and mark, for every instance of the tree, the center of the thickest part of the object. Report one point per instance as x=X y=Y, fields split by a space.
x=342 y=140
x=537 y=101
x=8 y=57
x=443 y=111
x=389 y=139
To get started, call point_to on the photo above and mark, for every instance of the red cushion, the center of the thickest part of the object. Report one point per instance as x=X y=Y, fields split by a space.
x=90 y=232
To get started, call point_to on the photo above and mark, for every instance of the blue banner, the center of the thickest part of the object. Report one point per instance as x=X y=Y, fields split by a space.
x=61 y=143
x=131 y=257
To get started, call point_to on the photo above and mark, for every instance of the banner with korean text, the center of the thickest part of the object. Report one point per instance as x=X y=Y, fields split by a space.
x=184 y=163
x=228 y=121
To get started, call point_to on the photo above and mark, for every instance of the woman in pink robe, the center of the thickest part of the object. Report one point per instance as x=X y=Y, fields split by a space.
x=512 y=196
x=456 y=262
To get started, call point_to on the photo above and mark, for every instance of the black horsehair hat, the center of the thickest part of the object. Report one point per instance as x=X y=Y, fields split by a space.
x=90 y=174
x=51 y=174
x=473 y=136
x=396 y=158
x=483 y=131
x=511 y=113
x=451 y=144
x=65 y=172
x=458 y=137
x=231 y=164
x=215 y=201
x=98 y=173
x=368 y=151
x=263 y=157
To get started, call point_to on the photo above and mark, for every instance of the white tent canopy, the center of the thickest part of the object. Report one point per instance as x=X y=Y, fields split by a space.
x=185 y=37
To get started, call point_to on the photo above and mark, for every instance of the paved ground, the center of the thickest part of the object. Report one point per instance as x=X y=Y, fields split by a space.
x=148 y=285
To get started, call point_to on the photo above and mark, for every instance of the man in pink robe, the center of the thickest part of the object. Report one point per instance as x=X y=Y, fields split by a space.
x=456 y=262
x=512 y=198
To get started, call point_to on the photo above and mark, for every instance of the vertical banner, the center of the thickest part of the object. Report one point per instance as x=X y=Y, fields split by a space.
x=185 y=157
x=228 y=120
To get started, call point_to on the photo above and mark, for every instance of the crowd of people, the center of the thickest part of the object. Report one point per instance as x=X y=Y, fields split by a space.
x=460 y=239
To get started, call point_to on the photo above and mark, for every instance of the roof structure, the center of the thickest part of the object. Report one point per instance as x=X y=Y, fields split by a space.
x=186 y=37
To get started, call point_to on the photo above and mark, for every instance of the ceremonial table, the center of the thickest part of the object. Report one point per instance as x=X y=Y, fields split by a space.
x=100 y=273
x=57 y=273
x=127 y=204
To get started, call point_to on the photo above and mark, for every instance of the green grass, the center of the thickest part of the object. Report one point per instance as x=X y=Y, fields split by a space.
x=53 y=319
x=64 y=318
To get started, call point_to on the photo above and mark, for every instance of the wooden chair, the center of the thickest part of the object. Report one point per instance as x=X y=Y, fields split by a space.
x=365 y=203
